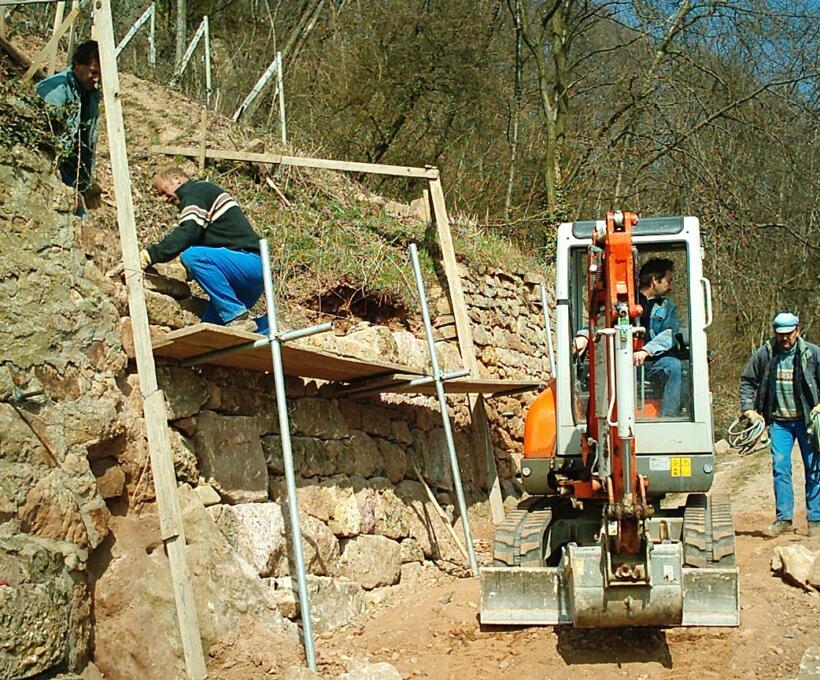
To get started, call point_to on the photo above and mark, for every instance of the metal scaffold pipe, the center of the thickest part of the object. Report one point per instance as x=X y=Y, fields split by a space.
x=290 y=477
x=445 y=418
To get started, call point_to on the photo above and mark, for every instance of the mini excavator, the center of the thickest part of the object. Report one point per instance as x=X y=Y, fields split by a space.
x=596 y=543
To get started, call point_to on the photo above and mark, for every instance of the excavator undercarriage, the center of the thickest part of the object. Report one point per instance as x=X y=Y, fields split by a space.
x=550 y=566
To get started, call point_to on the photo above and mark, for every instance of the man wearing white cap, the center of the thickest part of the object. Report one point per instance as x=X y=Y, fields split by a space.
x=781 y=385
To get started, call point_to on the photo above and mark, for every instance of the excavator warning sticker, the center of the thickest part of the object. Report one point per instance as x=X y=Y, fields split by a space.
x=659 y=463
x=681 y=467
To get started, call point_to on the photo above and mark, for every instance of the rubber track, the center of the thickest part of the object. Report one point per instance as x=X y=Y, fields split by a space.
x=505 y=545
x=708 y=532
x=723 y=532
x=531 y=538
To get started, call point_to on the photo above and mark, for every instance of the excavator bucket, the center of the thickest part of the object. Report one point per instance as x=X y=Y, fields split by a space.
x=576 y=592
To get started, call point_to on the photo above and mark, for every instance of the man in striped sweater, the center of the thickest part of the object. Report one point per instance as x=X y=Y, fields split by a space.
x=216 y=244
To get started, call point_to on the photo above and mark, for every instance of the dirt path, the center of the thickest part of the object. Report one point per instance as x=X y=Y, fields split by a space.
x=429 y=628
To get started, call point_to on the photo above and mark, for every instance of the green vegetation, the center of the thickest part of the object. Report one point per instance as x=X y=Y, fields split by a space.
x=23 y=117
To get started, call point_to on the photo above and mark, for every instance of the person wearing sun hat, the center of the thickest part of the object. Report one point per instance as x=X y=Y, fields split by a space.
x=781 y=385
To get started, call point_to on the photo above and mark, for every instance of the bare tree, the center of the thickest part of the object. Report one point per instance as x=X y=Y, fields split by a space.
x=181 y=30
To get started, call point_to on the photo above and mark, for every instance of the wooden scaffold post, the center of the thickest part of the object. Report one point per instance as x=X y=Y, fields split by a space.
x=465 y=343
x=156 y=420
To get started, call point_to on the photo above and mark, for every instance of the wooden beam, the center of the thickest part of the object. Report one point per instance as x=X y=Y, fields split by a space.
x=52 y=55
x=297 y=161
x=19 y=58
x=11 y=3
x=38 y=59
x=156 y=418
x=2 y=23
x=465 y=344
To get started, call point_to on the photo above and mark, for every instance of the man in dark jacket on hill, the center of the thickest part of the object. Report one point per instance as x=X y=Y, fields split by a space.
x=781 y=385
x=73 y=101
x=216 y=244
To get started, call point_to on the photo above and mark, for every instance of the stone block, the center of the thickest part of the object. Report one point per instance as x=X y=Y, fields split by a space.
x=794 y=563
x=334 y=602
x=362 y=456
x=352 y=413
x=346 y=520
x=272 y=452
x=401 y=430
x=376 y=421
x=372 y=671
x=54 y=509
x=110 y=477
x=317 y=458
x=163 y=310
x=389 y=515
x=813 y=578
x=185 y=390
x=256 y=531
x=394 y=460
x=317 y=418
x=411 y=551
x=371 y=561
x=207 y=494
x=722 y=447
x=185 y=461
x=320 y=547
x=231 y=457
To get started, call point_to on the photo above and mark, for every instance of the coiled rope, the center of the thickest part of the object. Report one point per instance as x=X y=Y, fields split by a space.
x=747 y=437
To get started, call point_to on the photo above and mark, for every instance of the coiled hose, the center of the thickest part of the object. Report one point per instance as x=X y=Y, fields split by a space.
x=747 y=437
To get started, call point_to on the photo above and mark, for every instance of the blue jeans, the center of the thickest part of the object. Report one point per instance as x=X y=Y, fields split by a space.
x=783 y=433
x=669 y=369
x=232 y=279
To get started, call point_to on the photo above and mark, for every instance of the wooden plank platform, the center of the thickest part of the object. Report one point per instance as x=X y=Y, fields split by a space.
x=194 y=341
x=187 y=343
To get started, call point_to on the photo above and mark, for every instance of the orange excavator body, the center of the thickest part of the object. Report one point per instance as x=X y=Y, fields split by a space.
x=541 y=425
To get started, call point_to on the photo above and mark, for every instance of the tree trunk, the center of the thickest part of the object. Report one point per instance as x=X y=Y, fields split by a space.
x=515 y=109
x=182 y=16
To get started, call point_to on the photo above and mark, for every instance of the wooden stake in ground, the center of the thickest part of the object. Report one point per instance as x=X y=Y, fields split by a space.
x=441 y=514
x=156 y=419
x=203 y=135
x=465 y=344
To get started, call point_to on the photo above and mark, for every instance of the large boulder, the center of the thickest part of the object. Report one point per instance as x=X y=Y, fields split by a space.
x=66 y=505
x=231 y=457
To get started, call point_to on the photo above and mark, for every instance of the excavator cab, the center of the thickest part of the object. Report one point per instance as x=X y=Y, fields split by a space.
x=598 y=542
